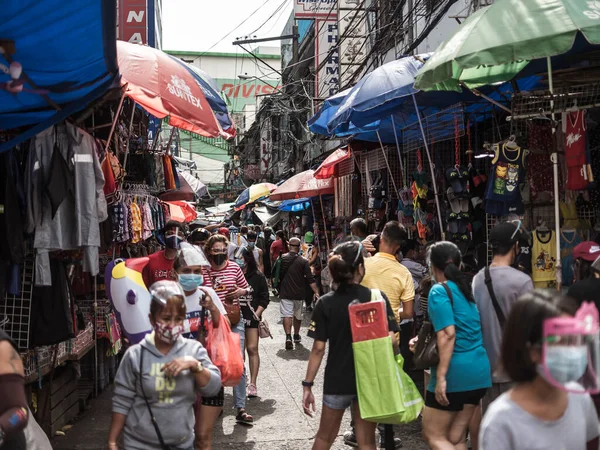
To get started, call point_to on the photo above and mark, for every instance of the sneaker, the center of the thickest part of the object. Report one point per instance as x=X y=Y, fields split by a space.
x=244 y=418
x=397 y=443
x=252 y=393
x=297 y=339
x=350 y=439
x=289 y=345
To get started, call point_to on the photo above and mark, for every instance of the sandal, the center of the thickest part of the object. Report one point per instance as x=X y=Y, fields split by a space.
x=244 y=418
x=252 y=392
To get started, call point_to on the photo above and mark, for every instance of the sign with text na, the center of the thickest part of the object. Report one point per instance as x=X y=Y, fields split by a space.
x=133 y=21
x=327 y=58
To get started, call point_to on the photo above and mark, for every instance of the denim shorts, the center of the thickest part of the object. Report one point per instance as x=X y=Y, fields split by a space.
x=338 y=401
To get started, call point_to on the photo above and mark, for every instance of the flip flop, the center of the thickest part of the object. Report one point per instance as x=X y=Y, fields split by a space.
x=453 y=223
x=454 y=201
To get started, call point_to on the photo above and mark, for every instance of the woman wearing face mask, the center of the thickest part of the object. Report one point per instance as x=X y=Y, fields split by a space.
x=159 y=377
x=200 y=299
x=256 y=252
x=229 y=283
x=331 y=322
x=460 y=380
x=536 y=414
x=252 y=308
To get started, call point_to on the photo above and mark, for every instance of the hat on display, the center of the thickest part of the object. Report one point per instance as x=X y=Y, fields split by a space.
x=508 y=234
x=309 y=237
x=587 y=250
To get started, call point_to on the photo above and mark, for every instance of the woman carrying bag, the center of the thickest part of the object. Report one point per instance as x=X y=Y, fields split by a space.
x=461 y=377
x=157 y=380
x=331 y=322
x=253 y=306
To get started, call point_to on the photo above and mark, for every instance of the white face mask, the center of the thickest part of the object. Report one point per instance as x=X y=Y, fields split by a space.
x=167 y=333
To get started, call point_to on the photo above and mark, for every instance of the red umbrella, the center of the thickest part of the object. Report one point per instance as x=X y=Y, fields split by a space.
x=163 y=87
x=327 y=169
x=300 y=185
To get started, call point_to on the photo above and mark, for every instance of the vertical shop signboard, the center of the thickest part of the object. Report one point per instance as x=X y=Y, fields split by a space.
x=266 y=146
x=326 y=57
x=314 y=9
x=133 y=21
x=353 y=34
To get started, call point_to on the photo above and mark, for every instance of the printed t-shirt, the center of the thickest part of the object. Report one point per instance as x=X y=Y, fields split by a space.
x=469 y=367
x=191 y=325
x=569 y=239
x=506 y=426
x=385 y=273
x=543 y=258
x=508 y=284
x=331 y=322
x=227 y=279
x=158 y=268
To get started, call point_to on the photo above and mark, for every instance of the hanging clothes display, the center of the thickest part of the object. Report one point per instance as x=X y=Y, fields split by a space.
x=541 y=179
x=77 y=220
x=503 y=196
x=543 y=259
x=576 y=151
x=569 y=239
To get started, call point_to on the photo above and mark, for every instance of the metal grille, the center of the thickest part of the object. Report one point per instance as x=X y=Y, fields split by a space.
x=15 y=312
x=374 y=161
x=438 y=127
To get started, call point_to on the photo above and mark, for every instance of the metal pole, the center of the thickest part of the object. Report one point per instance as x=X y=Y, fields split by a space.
x=435 y=191
x=129 y=137
x=404 y=182
x=554 y=159
x=114 y=123
x=95 y=336
x=387 y=163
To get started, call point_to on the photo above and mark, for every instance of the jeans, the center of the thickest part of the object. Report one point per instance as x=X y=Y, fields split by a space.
x=239 y=391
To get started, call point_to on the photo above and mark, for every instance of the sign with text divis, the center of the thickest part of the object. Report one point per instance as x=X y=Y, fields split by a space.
x=313 y=9
x=133 y=21
x=327 y=58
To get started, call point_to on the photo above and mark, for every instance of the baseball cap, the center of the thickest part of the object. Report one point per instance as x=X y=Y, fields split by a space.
x=308 y=237
x=224 y=232
x=587 y=250
x=508 y=233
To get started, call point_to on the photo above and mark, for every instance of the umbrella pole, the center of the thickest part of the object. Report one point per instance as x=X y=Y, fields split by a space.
x=554 y=159
x=404 y=182
x=114 y=123
x=324 y=224
x=433 y=182
x=387 y=163
x=129 y=137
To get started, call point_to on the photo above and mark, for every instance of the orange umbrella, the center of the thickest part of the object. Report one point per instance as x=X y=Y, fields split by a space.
x=163 y=87
x=300 y=185
x=327 y=169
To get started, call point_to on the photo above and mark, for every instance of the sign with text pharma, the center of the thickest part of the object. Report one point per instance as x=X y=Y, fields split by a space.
x=327 y=79
x=315 y=9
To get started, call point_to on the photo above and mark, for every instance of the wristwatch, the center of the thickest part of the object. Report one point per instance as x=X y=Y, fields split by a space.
x=197 y=368
x=308 y=383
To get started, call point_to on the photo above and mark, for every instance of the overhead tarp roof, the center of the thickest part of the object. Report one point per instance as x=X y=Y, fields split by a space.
x=267 y=215
x=67 y=51
x=221 y=209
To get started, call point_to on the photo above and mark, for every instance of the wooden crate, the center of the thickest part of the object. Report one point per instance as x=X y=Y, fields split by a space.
x=62 y=406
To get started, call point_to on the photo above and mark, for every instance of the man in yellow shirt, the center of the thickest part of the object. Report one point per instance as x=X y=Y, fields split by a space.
x=384 y=272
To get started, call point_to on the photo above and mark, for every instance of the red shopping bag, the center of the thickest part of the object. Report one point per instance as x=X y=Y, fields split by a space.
x=224 y=350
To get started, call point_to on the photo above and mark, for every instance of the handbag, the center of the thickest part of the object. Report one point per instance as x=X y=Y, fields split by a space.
x=263 y=326
x=426 y=351
x=152 y=418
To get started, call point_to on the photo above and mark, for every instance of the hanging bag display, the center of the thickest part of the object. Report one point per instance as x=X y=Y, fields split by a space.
x=223 y=348
x=426 y=351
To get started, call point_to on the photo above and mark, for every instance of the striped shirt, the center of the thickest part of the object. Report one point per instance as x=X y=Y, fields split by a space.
x=227 y=279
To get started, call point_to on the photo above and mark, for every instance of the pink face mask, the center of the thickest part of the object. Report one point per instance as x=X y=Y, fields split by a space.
x=167 y=333
x=571 y=351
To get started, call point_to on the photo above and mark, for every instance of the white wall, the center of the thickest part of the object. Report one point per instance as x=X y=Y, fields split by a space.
x=230 y=66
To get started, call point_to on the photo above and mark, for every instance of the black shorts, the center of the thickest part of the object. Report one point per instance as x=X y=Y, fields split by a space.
x=457 y=400
x=248 y=317
x=216 y=401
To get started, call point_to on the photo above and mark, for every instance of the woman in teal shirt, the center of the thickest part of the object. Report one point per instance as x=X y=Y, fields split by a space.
x=460 y=380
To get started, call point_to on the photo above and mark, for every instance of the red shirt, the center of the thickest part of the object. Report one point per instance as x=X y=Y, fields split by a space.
x=227 y=279
x=277 y=248
x=158 y=268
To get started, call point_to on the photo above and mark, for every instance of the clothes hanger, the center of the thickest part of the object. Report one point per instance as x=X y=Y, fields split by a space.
x=542 y=227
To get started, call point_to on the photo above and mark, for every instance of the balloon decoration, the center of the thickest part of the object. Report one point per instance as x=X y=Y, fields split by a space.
x=129 y=296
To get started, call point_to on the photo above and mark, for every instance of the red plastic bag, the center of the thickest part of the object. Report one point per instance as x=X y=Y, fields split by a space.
x=224 y=350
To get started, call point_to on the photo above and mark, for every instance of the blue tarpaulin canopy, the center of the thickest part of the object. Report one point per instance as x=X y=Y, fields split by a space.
x=55 y=54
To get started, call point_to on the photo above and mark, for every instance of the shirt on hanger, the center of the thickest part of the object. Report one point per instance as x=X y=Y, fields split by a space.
x=543 y=258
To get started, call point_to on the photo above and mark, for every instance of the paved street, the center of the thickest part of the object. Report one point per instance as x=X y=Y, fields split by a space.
x=280 y=423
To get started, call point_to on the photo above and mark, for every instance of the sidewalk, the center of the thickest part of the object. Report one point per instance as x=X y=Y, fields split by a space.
x=280 y=423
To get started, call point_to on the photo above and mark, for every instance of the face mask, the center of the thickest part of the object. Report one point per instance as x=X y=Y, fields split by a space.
x=251 y=245
x=173 y=241
x=167 y=333
x=241 y=263
x=190 y=281
x=565 y=363
x=219 y=258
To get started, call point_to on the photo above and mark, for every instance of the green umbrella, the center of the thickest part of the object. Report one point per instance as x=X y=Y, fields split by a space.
x=497 y=42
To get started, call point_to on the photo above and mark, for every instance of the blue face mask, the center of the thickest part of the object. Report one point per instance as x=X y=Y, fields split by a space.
x=240 y=262
x=190 y=281
x=565 y=363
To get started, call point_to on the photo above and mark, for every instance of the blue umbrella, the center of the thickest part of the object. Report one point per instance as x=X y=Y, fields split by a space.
x=295 y=205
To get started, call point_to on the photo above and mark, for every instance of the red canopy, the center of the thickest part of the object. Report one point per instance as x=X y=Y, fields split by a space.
x=301 y=185
x=182 y=212
x=327 y=169
x=163 y=87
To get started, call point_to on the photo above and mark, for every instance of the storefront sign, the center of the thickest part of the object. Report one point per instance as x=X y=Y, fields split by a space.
x=133 y=21
x=327 y=58
x=313 y=9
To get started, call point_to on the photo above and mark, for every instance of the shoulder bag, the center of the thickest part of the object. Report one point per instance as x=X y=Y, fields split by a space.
x=426 y=351
x=152 y=418
x=263 y=326
x=490 y=288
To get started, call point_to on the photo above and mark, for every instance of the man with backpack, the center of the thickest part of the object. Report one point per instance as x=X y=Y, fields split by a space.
x=496 y=288
x=294 y=275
